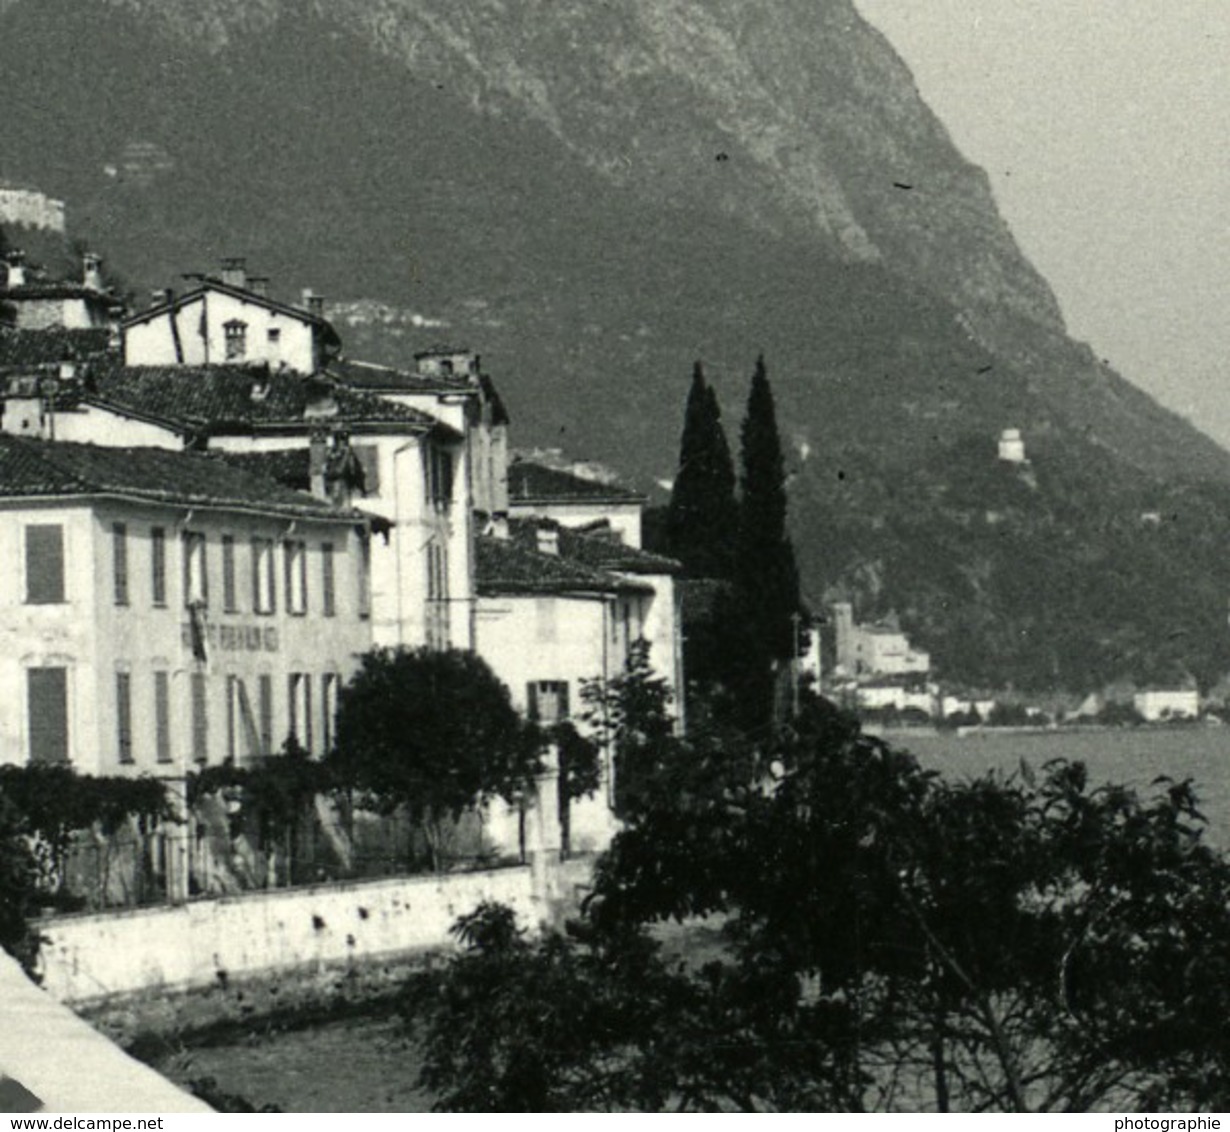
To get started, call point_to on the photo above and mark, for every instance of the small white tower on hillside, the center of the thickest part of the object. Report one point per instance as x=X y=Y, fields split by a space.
x=1011 y=446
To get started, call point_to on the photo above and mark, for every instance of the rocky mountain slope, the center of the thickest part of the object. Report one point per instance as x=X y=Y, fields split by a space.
x=594 y=195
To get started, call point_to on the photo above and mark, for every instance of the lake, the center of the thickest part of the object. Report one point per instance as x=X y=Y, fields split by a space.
x=1132 y=756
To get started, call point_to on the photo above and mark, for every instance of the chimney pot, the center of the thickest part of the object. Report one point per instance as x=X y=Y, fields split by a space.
x=91 y=271
x=235 y=272
x=316 y=306
x=548 y=541
x=318 y=461
x=259 y=285
x=17 y=269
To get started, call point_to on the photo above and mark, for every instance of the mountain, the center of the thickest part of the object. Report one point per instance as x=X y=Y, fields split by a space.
x=594 y=195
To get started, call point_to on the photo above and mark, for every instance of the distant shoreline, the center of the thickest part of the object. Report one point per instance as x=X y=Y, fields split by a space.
x=984 y=731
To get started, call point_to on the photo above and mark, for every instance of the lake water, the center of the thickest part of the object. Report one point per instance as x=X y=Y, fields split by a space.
x=1133 y=757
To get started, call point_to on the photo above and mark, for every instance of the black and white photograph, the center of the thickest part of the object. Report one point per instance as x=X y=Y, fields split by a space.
x=615 y=556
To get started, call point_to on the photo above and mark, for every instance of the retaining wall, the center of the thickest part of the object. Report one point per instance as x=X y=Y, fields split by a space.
x=205 y=942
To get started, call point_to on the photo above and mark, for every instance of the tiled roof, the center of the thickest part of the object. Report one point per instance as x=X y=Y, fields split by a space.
x=56 y=289
x=222 y=398
x=594 y=550
x=505 y=566
x=535 y=483
x=386 y=379
x=29 y=348
x=247 y=296
x=42 y=468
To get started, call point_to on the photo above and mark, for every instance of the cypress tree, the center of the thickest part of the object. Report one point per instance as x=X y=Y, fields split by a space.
x=702 y=520
x=766 y=576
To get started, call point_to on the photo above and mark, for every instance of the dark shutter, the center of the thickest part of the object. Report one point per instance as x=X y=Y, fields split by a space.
x=229 y=601
x=326 y=579
x=162 y=717
x=200 y=718
x=119 y=547
x=123 y=715
x=563 y=699
x=47 y=701
x=44 y=564
x=531 y=700
x=158 y=564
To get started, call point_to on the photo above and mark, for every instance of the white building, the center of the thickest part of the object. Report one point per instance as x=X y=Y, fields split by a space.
x=29 y=302
x=167 y=610
x=874 y=650
x=230 y=319
x=538 y=491
x=1156 y=704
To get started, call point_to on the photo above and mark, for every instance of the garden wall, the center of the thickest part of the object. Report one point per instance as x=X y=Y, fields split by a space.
x=206 y=942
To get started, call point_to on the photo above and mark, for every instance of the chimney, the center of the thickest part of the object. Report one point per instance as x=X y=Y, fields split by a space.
x=91 y=272
x=316 y=306
x=548 y=541
x=318 y=460
x=161 y=296
x=17 y=269
x=259 y=285
x=235 y=272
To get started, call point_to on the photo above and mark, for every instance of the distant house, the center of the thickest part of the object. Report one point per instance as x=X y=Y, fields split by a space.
x=874 y=650
x=537 y=490
x=30 y=303
x=1156 y=704
x=230 y=318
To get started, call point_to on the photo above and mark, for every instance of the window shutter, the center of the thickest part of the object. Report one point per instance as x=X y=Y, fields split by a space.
x=44 y=564
x=158 y=564
x=229 y=602
x=326 y=579
x=200 y=718
x=47 y=702
x=162 y=717
x=265 y=693
x=123 y=715
x=119 y=546
x=531 y=700
x=563 y=700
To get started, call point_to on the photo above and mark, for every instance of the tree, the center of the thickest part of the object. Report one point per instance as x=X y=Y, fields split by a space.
x=19 y=876
x=433 y=733
x=702 y=521
x=887 y=940
x=766 y=576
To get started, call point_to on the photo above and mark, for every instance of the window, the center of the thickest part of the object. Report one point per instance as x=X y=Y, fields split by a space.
x=229 y=600
x=548 y=701
x=123 y=716
x=119 y=557
x=47 y=714
x=437 y=596
x=295 y=556
x=439 y=476
x=200 y=718
x=328 y=710
x=236 y=332
x=162 y=717
x=264 y=599
x=265 y=705
x=158 y=564
x=45 y=564
x=275 y=335
x=300 y=706
x=326 y=579
x=196 y=573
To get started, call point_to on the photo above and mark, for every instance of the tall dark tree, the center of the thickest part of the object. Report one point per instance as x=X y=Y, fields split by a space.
x=766 y=577
x=703 y=516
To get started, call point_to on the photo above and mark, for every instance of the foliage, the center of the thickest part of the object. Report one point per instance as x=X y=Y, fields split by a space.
x=890 y=940
x=54 y=803
x=580 y=773
x=433 y=732
x=767 y=581
x=19 y=875
x=703 y=517
x=630 y=715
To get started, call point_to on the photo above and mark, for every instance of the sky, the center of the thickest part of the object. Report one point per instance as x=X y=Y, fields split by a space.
x=1104 y=126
